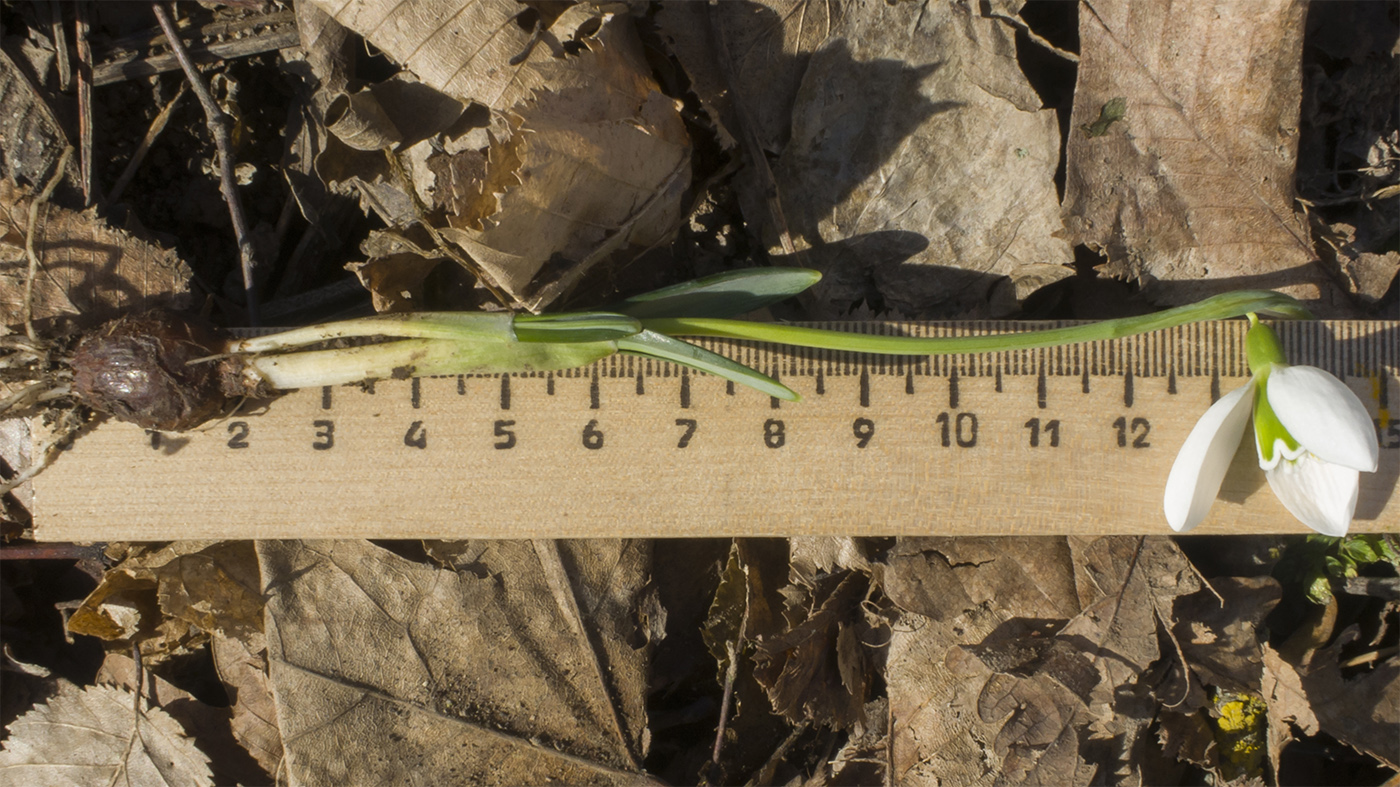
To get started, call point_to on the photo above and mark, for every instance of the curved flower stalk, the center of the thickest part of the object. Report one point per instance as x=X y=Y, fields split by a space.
x=1313 y=437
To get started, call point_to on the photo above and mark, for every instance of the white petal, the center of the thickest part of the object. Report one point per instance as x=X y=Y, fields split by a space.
x=1324 y=416
x=1322 y=495
x=1205 y=456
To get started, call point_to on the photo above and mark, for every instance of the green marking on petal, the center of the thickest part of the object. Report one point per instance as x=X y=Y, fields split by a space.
x=1268 y=430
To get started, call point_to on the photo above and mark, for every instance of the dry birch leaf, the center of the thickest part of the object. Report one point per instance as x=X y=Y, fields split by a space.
x=916 y=139
x=94 y=736
x=389 y=671
x=208 y=725
x=1192 y=190
x=88 y=271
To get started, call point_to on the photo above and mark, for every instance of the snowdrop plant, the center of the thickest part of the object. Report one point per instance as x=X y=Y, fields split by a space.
x=1313 y=437
x=169 y=373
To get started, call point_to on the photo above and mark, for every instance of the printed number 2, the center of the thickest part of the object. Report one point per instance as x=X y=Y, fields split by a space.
x=1139 y=427
x=238 y=434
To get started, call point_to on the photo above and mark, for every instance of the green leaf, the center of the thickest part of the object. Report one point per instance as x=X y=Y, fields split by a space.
x=1319 y=588
x=574 y=327
x=1359 y=550
x=1384 y=549
x=1335 y=566
x=660 y=346
x=722 y=295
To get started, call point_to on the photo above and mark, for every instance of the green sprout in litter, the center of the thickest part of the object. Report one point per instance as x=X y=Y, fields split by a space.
x=439 y=343
x=1319 y=563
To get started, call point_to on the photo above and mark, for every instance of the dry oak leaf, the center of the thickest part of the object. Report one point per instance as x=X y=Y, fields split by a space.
x=95 y=735
x=388 y=671
x=1192 y=191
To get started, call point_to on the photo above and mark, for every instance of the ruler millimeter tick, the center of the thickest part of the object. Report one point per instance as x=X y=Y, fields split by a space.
x=1076 y=439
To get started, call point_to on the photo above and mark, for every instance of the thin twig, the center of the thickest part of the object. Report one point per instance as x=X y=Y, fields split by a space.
x=84 y=104
x=765 y=774
x=53 y=551
x=135 y=717
x=152 y=133
x=730 y=674
x=60 y=45
x=218 y=124
x=34 y=206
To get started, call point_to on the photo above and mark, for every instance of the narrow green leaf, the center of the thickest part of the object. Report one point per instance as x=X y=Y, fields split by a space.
x=722 y=295
x=574 y=327
x=660 y=346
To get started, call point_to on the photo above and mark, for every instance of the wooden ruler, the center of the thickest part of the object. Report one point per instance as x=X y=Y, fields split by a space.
x=1075 y=439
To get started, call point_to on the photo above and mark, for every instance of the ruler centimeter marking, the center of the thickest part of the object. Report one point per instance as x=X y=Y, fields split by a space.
x=1070 y=439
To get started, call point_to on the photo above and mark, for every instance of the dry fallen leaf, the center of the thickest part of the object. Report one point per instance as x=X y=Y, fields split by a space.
x=589 y=160
x=95 y=735
x=1220 y=639
x=998 y=674
x=1362 y=711
x=1192 y=191
x=170 y=599
x=88 y=271
x=591 y=170
x=1282 y=689
x=462 y=48
x=821 y=668
x=243 y=670
x=207 y=725
x=31 y=137
x=388 y=671
x=910 y=132
x=958 y=591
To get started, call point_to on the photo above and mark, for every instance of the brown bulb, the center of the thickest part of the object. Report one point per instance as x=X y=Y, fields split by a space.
x=137 y=368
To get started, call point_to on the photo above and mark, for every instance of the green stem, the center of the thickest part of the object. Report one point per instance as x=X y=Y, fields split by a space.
x=494 y=327
x=1220 y=307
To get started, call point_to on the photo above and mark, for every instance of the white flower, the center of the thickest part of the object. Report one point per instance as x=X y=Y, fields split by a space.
x=1314 y=437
